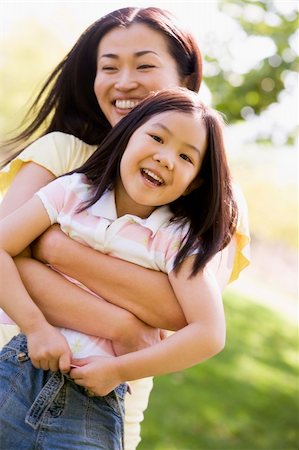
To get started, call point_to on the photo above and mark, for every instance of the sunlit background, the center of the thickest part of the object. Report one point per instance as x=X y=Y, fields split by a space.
x=250 y=51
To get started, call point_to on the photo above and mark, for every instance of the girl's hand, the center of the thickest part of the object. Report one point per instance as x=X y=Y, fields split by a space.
x=98 y=374
x=48 y=349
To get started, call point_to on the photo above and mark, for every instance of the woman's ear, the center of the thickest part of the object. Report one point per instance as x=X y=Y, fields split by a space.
x=188 y=81
x=193 y=185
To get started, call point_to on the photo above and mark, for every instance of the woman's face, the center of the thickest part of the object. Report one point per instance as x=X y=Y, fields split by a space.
x=131 y=63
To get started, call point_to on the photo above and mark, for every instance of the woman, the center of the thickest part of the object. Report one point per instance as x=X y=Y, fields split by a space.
x=116 y=63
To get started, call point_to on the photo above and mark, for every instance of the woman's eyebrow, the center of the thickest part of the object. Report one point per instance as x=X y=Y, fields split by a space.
x=171 y=134
x=137 y=54
x=145 y=52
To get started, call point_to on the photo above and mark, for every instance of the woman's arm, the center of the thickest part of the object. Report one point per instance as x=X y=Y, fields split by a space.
x=111 y=278
x=57 y=305
x=202 y=338
x=135 y=288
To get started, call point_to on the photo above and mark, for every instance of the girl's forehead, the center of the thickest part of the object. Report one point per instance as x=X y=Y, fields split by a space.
x=182 y=127
x=174 y=117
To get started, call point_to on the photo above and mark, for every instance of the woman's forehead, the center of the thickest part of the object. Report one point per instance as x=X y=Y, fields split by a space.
x=135 y=38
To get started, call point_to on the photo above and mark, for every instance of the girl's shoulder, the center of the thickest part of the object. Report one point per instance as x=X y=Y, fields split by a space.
x=75 y=183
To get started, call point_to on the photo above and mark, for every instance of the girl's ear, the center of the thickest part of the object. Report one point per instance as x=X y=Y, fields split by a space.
x=193 y=185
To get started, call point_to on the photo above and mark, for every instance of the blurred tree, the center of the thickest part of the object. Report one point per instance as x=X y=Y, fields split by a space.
x=264 y=32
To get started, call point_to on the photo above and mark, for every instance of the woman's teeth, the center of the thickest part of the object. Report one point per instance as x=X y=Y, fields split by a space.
x=126 y=104
x=151 y=176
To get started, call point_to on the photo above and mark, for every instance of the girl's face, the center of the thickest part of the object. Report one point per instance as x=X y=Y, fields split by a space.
x=161 y=162
x=131 y=63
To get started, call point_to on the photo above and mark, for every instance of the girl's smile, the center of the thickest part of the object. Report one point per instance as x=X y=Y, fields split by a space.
x=152 y=178
x=161 y=162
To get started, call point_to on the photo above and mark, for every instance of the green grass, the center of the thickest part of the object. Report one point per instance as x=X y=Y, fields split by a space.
x=244 y=399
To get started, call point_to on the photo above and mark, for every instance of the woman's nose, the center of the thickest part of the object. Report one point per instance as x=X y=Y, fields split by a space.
x=165 y=159
x=125 y=81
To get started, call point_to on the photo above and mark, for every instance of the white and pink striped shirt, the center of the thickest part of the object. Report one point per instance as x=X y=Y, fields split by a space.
x=152 y=242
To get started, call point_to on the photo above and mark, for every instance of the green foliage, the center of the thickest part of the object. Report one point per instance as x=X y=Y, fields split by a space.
x=241 y=94
x=244 y=399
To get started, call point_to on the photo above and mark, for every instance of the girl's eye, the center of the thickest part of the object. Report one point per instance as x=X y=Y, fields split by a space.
x=186 y=157
x=109 y=68
x=156 y=138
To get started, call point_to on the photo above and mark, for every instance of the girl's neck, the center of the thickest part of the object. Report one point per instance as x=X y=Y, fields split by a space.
x=125 y=205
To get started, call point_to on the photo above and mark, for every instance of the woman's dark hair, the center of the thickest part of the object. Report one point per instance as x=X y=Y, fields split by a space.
x=67 y=100
x=210 y=209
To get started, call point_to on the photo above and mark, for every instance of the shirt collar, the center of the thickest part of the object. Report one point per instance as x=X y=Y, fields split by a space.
x=105 y=207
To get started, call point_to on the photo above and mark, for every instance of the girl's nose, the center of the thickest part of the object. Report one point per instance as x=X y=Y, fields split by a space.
x=126 y=81
x=165 y=159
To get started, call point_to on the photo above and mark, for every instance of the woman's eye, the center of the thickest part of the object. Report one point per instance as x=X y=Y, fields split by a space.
x=145 y=66
x=185 y=157
x=157 y=138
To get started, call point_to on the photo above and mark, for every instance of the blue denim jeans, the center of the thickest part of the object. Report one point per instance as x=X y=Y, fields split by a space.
x=44 y=410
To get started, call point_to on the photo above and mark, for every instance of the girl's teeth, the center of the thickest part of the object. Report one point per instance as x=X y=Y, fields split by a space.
x=153 y=175
x=126 y=104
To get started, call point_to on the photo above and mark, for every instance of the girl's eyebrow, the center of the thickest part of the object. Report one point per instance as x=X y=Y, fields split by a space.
x=137 y=54
x=171 y=134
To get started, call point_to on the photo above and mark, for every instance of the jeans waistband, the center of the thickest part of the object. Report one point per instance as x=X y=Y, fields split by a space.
x=45 y=398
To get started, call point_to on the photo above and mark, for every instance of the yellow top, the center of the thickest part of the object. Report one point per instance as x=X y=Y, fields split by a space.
x=61 y=153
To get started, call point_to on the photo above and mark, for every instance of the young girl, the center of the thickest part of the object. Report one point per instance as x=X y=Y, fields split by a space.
x=157 y=192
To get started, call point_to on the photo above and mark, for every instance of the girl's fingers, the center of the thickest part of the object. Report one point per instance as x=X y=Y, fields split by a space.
x=53 y=366
x=64 y=363
x=78 y=381
x=44 y=365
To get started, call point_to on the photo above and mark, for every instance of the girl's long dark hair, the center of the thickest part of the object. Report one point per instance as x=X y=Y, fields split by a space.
x=67 y=101
x=210 y=209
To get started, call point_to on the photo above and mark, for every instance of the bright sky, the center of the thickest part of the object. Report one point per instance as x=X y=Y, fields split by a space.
x=69 y=18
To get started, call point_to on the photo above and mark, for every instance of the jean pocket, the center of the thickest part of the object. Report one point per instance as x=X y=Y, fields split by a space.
x=116 y=402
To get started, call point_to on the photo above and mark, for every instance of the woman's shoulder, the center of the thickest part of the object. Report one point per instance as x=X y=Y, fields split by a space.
x=239 y=196
x=58 y=152
x=242 y=254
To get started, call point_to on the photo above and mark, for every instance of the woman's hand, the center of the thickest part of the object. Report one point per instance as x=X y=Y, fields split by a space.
x=136 y=336
x=98 y=374
x=48 y=349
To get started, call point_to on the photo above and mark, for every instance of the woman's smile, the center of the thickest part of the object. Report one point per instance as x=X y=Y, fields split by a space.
x=132 y=63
